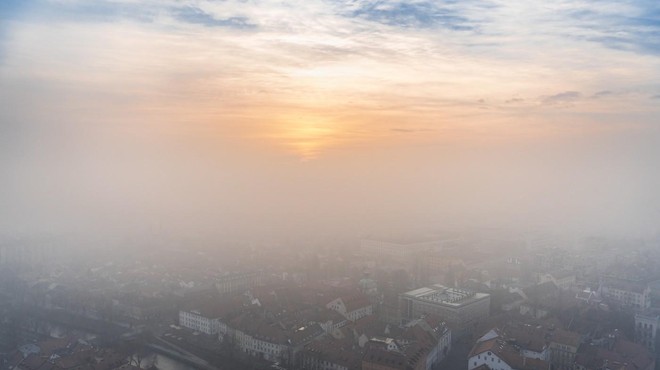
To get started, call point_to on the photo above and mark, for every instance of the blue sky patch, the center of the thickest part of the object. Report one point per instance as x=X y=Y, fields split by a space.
x=190 y=14
x=640 y=33
x=420 y=15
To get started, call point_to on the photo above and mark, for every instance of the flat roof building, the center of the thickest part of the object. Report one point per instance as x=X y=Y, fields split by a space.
x=463 y=310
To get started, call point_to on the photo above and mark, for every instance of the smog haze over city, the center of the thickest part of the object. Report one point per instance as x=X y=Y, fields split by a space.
x=167 y=162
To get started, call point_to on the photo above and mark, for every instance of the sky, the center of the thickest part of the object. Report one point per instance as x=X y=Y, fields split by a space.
x=336 y=116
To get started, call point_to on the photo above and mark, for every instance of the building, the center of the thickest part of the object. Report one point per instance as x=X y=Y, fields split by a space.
x=462 y=310
x=647 y=324
x=614 y=352
x=541 y=299
x=368 y=343
x=507 y=300
x=270 y=338
x=563 y=347
x=497 y=354
x=553 y=345
x=564 y=279
x=381 y=355
x=64 y=353
x=437 y=336
x=422 y=347
x=328 y=353
x=588 y=297
x=352 y=307
x=239 y=282
x=201 y=320
x=627 y=293
x=208 y=315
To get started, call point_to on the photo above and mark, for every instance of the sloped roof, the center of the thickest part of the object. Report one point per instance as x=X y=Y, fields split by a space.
x=624 y=354
x=508 y=354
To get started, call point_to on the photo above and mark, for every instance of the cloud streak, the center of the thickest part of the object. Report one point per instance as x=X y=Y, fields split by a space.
x=561 y=98
x=350 y=64
x=202 y=112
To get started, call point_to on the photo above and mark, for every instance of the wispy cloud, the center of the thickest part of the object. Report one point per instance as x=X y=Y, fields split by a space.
x=415 y=14
x=360 y=62
x=563 y=97
x=602 y=94
x=195 y=15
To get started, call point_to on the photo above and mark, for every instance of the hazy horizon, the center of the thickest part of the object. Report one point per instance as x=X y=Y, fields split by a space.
x=329 y=117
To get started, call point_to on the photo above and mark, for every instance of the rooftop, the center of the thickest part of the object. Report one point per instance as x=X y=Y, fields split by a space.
x=444 y=295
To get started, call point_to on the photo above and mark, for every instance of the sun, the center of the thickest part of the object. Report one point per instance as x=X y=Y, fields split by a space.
x=307 y=135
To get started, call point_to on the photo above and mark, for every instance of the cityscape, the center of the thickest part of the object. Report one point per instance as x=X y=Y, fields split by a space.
x=443 y=302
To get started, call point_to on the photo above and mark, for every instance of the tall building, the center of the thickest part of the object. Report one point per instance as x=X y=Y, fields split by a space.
x=462 y=310
x=647 y=324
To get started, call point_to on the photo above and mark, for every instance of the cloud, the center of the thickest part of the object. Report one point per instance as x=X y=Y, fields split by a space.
x=410 y=130
x=195 y=15
x=561 y=98
x=374 y=61
x=241 y=82
x=632 y=26
x=603 y=93
x=416 y=14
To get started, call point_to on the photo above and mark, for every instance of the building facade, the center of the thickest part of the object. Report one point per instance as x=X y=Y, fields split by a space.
x=198 y=321
x=352 y=308
x=239 y=282
x=462 y=310
x=628 y=293
x=647 y=324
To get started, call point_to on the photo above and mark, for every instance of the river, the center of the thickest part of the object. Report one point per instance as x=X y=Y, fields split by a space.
x=162 y=362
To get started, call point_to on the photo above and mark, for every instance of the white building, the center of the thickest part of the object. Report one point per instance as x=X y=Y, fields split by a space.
x=629 y=293
x=199 y=321
x=516 y=342
x=497 y=354
x=563 y=279
x=258 y=347
x=461 y=309
x=489 y=353
x=352 y=307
